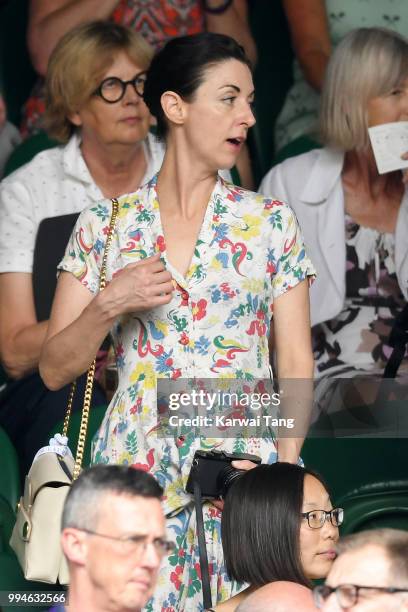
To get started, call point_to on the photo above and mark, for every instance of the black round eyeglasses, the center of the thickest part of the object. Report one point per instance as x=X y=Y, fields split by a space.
x=112 y=89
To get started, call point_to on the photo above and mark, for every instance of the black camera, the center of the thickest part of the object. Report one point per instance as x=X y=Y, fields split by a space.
x=214 y=472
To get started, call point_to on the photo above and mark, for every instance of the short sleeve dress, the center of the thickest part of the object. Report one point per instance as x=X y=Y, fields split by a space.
x=299 y=113
x=249 y=251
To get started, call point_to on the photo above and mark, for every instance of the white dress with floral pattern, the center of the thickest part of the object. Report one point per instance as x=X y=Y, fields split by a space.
x=248 y=252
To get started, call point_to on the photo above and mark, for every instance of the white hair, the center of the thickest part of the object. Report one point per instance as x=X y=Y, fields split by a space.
x=368 y=62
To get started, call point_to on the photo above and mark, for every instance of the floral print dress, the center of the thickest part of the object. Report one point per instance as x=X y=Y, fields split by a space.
x=249 y=251
x=356 y=340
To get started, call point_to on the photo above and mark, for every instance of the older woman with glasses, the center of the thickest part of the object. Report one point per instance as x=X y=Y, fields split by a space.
x=94 y=89
x=287 y=528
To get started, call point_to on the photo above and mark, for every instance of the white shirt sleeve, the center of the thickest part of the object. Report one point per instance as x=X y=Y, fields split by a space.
x=18 y=227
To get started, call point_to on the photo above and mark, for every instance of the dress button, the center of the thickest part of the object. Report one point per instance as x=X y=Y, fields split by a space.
x=184 y=340
x=184 y=295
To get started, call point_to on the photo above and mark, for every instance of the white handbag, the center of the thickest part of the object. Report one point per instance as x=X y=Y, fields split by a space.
x=36 y=534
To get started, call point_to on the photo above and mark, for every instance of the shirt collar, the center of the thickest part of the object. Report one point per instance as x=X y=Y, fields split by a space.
x=325 y=172
x=74 y=163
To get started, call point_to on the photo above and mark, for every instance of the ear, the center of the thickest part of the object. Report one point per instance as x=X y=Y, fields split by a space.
x=173 y=107
x=74 y=545
x=75 y=119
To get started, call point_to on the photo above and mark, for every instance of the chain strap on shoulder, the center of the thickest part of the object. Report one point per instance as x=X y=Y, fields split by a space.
x=91 y=371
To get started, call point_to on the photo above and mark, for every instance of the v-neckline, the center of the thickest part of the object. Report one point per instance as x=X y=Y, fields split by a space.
x=202 y=237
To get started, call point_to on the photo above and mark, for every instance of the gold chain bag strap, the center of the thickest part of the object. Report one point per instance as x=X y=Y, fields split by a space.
x=36 y=534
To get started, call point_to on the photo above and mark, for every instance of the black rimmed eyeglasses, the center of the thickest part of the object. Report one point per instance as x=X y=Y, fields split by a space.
x=317 y=518
x=137 y=544
x=112 y=89
x=347 y=594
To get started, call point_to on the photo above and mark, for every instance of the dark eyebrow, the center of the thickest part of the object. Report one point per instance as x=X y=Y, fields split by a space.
x=237 y=89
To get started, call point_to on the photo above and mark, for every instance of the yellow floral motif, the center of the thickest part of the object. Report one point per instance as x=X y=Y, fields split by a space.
x=253 y=285
x=216 y=264
x=125 y=458
x=144 y=368
x=252 y=229
x=162 y=326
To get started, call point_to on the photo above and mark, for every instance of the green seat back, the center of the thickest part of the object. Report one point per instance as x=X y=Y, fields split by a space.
x=9 y=471
x=377 y=505
x=347 y=464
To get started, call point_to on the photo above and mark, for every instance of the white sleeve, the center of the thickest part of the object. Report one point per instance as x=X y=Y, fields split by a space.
x=18 y=227
x=273 y=186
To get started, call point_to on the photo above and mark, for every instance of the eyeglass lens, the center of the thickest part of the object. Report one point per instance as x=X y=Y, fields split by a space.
x=346 y=594
x=113 y=89
x=316 y=518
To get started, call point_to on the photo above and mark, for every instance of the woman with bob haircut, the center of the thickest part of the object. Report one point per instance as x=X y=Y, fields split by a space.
x=195 y=267
x=355 y=220
x=287 y=528
x=95 y=109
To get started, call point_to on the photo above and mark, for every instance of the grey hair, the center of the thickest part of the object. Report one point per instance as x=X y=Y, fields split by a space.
x=367 y=63
x=394 y=542
x=81 y=509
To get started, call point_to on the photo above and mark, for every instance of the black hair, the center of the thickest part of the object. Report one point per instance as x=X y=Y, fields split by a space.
x=261 y=524
x=85 y=494
x=180 y=66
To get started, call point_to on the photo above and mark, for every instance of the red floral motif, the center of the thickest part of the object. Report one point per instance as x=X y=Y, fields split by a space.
x=271 y=268
x=199 y=309
x=176 y=576
x=161 y=245
x=136 y=408
x=271 y=203
x=225 y=288
x=146 y=467
x=184 y=339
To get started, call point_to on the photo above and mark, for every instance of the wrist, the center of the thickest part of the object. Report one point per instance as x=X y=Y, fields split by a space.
x=104 y=309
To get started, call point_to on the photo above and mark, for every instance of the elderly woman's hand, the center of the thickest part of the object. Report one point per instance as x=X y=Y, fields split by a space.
x=243 y=464
x=140 y=286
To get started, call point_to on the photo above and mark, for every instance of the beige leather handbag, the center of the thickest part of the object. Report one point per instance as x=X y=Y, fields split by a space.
x=36 y=534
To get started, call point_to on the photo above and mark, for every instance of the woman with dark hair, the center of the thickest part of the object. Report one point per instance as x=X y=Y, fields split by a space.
x=287 y=528
x=195 y=267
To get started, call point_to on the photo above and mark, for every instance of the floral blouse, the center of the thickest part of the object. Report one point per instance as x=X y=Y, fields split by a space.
x=249 y=251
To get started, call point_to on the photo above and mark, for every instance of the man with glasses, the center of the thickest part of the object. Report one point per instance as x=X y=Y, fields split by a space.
x=370 y=574
x=113 y=536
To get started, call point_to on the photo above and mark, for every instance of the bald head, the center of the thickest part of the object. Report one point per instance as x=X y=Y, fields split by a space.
x=279 y=597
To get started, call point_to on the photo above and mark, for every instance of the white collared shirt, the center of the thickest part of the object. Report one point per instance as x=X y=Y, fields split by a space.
x=55 y=182
x=311 y=185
